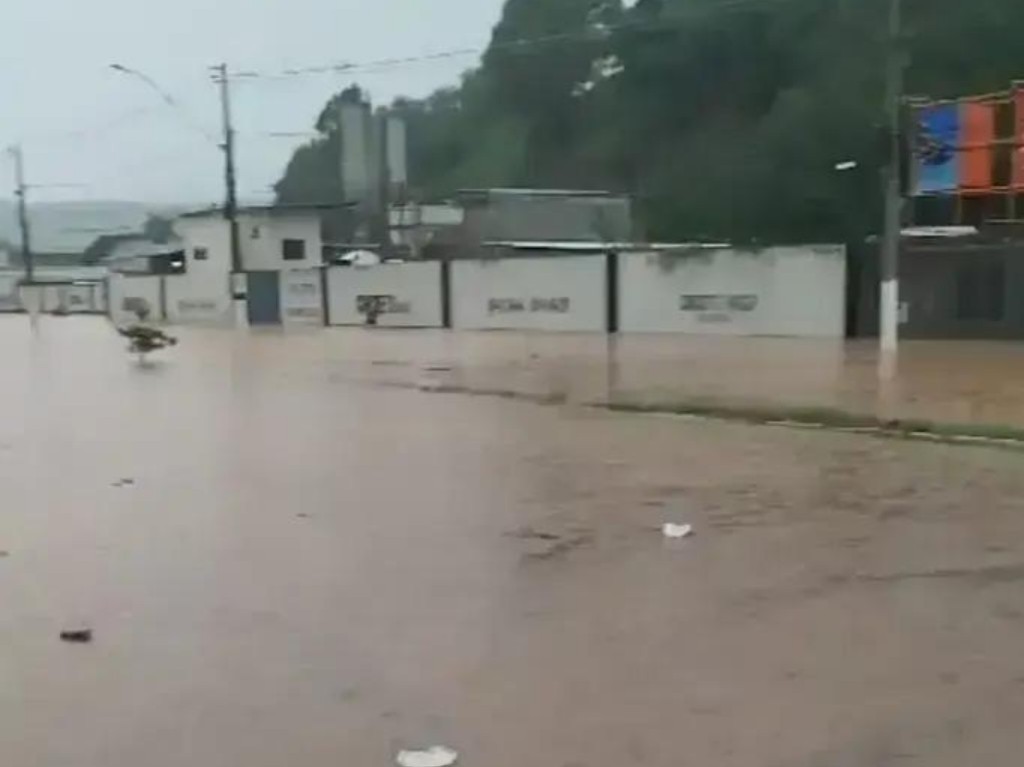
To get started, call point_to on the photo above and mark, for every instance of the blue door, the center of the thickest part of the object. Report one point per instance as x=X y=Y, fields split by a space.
x=264 y=299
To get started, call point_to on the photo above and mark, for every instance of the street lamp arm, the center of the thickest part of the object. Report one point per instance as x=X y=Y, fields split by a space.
x=167 y=98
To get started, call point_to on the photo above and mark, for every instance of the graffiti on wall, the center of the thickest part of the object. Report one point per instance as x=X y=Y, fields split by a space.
x=197 y=306
x=301 y=298
x=382 y=305
x=533 y=305
x=720 y=307
x=136 y=305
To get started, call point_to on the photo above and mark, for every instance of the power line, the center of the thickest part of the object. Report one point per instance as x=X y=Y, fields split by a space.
x=175 y=105
x=99 y=129
x=596 y=33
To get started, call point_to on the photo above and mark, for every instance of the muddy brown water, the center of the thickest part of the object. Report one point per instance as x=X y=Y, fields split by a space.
x=313 y=563
x=974 y=382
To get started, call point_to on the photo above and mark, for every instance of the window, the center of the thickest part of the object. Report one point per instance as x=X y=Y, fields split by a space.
x=293 y=250
x=200 y=254
x=981 y=292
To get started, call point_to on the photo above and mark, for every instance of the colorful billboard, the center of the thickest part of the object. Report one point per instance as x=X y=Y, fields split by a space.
x=1018 y=140
x=937 y=169
x=954 y=149
x=977 y=142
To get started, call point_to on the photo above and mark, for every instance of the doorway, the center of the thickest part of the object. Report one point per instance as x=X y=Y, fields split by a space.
x=264 y=300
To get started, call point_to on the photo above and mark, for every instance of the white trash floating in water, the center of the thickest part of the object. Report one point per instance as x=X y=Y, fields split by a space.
x=677 y=531
x=435 y=756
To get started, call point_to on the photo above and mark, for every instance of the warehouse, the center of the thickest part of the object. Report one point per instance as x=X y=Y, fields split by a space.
x=281 y=256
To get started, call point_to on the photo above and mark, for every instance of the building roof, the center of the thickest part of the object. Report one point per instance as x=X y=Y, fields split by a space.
x=269 y=210
x=40 y=259
x=486 y=194
x=944 y=232
x=106 y=242
x=168 y=250
x=603 y=247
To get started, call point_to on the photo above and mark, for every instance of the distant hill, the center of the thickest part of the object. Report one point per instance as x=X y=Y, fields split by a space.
x=724 y=118
x=69 y=227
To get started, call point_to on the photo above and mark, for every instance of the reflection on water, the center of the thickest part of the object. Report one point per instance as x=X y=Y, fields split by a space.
x=955 y=381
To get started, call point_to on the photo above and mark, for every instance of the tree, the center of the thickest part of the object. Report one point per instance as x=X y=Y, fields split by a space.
x=313 y=175
x=725 y=120
x=158 y=229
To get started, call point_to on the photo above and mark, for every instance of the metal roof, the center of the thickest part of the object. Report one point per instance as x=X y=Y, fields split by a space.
x=939 y=231
x=600 y=247
x=269 y=209
x=512 y=192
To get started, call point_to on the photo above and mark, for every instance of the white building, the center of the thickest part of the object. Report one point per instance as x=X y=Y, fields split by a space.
x=272 y=239
x=281 y=256
x=414 y=226
x=140 y=255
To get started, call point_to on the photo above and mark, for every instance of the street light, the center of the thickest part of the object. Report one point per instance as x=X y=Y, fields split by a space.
x=167 y=98
x=227 y=145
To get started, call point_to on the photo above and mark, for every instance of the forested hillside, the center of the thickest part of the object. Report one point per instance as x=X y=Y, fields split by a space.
x=725 y=118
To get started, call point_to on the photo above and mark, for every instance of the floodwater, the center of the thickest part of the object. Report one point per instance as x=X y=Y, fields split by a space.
x=968 y=382
x=290 y=556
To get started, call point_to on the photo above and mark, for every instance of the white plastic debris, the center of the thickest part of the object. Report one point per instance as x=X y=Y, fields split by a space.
x=435 y=756
x=677 y=531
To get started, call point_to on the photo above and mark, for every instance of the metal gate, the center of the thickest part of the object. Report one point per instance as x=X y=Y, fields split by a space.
x=264 y=301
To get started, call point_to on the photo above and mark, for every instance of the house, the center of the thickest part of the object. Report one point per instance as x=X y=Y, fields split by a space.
x=271 y=238
x=280 y=248
x=137 y=254
x=63 y=282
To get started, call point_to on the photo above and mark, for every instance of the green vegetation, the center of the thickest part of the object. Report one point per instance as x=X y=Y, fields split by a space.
x=835 y=419
x=725 y=118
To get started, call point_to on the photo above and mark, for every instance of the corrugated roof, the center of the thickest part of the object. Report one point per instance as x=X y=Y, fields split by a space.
x=269 y=209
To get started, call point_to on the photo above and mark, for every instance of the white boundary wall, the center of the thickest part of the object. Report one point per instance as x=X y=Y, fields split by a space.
x=785 y=291
x=74 y=299
x=302 y=302
x=76 y=290
x=414 y=291
x=564 y=293
x=9 y=299
x=197 y=300
x=123 y=291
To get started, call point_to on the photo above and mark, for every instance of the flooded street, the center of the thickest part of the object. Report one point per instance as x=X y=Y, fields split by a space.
x=292 y=552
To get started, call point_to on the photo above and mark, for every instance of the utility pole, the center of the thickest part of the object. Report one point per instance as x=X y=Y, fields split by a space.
x=21 y=193
x=889 y=298
x=382 y=159
x=238 y=288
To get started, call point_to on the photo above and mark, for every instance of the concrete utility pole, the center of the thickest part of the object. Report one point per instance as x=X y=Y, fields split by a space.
x=21 y=193
x=227 y=145
x=889 y=298
x=238 y=287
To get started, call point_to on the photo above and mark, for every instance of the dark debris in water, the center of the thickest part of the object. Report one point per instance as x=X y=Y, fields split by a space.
x=76 y=636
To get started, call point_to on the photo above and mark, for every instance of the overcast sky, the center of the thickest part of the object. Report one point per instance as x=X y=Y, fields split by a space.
x=82 y=123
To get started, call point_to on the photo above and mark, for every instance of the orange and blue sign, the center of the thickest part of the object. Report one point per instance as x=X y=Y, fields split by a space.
x=954 y=148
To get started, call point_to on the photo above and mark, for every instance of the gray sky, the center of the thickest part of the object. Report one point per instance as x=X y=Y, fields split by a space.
x=54 y=80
